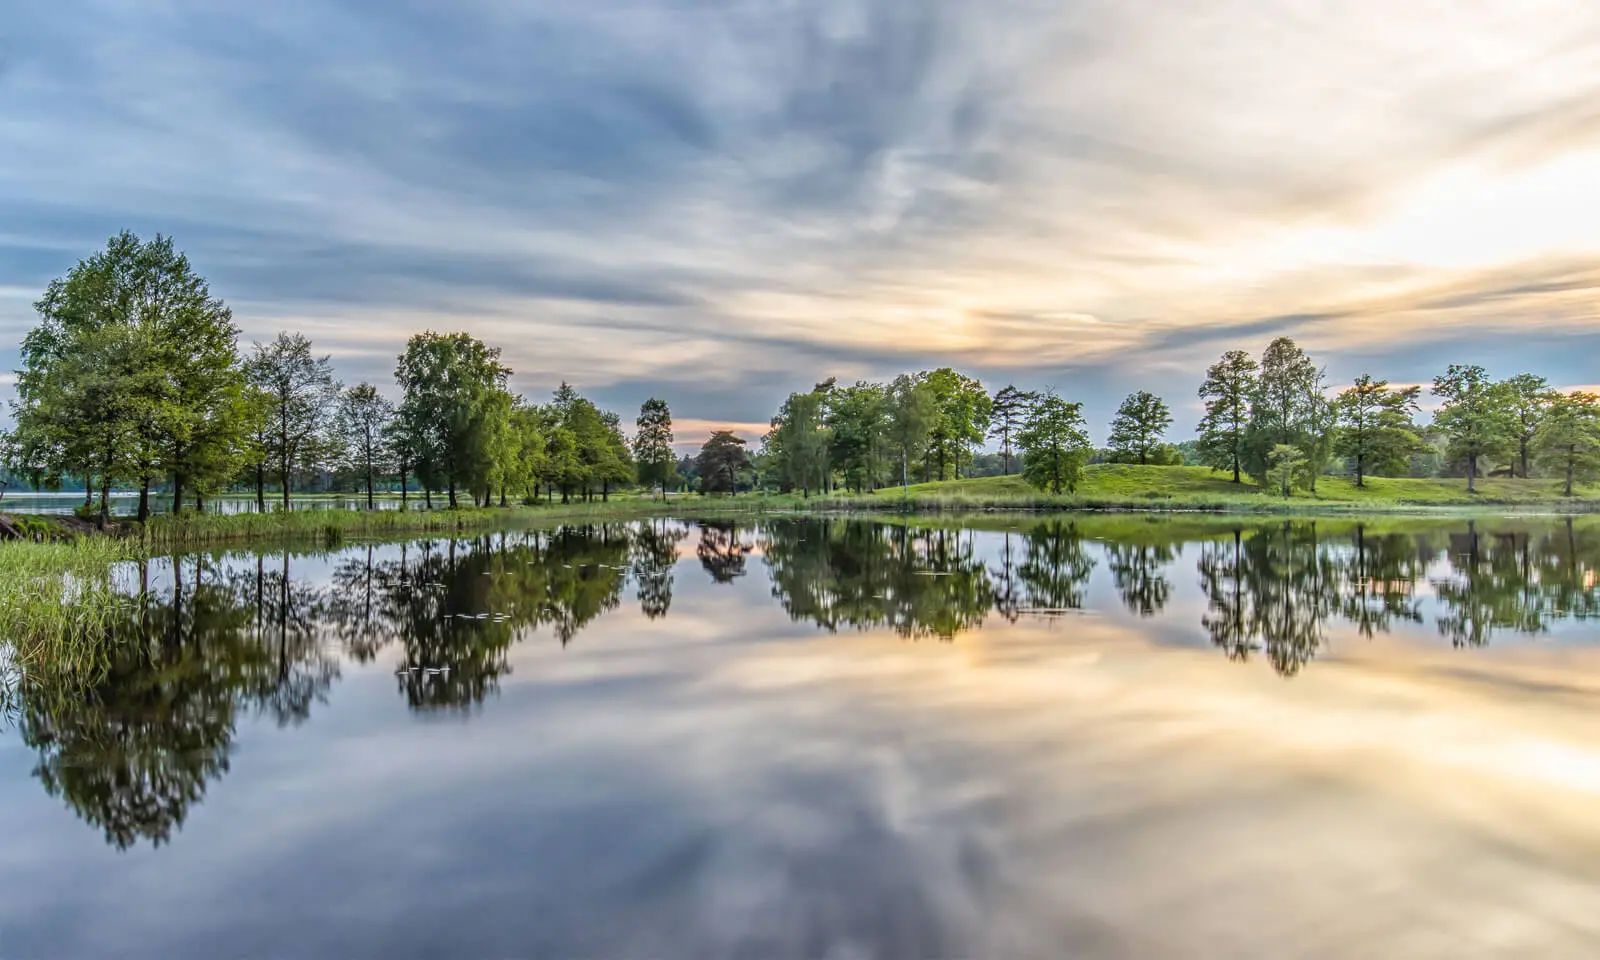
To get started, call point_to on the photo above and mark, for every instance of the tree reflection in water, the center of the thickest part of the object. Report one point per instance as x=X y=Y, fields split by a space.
x=231 y=638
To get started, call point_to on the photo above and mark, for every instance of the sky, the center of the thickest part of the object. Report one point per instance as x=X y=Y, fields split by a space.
x=718 y=203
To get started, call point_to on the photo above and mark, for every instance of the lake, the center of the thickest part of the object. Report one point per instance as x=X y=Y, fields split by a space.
x=1061 y=736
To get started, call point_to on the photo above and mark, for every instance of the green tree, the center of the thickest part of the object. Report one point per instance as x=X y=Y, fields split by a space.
x=1281 y=406
x=798 y=443
x=911 y=412
x=1009 y=411
x=1529 y=398
x=652 y=445
x=1227 y=391
x=1138 y=427
x=131 y=345
x=1567 y=441
x=721 y=462
x=526 y=451
x=364 y=417
x=453 y=406
x=1476 y=417
x=1320 y=429
x=1378 y=435
x=1055 y=444
x=962 y=414
x=1285 y=466
x=301 y=396
x=857 y=418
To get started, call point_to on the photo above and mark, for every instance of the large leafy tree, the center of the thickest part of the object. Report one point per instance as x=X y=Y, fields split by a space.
x=1055 y=444
x=911 y=411
x=857 y=419
x=1008 y=412
x=1227 y=391
x=1138 y=427
x=1529 y=398
x=798 y=444
x=453 y=408
x=132 y=372
x=1568 y=439
x=963 y=411
x=721 y=462
x=1377 y=432
x=652 y=445
x=301 y=396
x=364 y=416
x=1282 y=405
x=1476 y=417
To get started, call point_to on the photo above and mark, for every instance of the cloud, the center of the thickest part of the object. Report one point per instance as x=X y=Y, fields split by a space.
x=722 y=202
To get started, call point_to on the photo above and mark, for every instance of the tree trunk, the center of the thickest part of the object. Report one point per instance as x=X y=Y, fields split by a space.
x=427 y=494
x=369 y=484
x=88 y=487
x=105 y=501
x=144 y=498
x=1472 y=472
x=283 y=470
x=1569 y=480
x=199 y=502
x=177 y=493
x=404 y=497
x=261 y=487
x=452 y=489
x=1522 y=442
x=1361 y=476
x=605 y=491
x=502 y=494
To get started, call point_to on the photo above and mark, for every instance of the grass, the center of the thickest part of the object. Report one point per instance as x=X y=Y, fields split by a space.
x=58 y=601
x=1133 y=487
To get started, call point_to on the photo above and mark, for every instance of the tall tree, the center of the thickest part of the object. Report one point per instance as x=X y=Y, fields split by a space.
x=857 y=420
x=912 y=411
x=364 y=417
x=1568 y=439
x=133 y=323
x=454 y=406
x=721 y=461
x=1055 y=444
x=1319 y=428
x=1229 y=386
x=1378 y=434
x=652 y=445
x=1281 y=406
x=963 y=412
x=1476 y=417
x=1529 y=398
x=301 y=395
x=1009 y=411
x=798 y=443
x=1138 y=427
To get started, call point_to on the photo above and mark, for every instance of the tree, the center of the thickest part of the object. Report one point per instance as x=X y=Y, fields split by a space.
x=526 y=451
x=1229 y=386
x=798 y=443
x=131 y=351
x=857 y=418
x=911 y=413
x=1477 y=418
x=1529 y=398
x=364 y=417
x=1568 y=438
x=1009 y=410
x=1319 y=428
x=1378 y=434
x=301 y=394
x=1138 y=427
x=1055 y=444
x=1282 y=405
x=963 y=411
x=652 y=445
x=722 y=459
x=1285 y=465
x=453 y=409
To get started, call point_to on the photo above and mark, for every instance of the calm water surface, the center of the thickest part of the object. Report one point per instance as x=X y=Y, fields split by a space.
x=1101 y=737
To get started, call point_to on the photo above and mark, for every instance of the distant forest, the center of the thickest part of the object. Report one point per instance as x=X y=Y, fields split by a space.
x=134 y=378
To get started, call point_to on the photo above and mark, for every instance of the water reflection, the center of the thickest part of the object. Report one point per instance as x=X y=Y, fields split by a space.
x=216 y=640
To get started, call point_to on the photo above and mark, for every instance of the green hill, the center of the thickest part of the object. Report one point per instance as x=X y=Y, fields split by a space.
x=1131 y=486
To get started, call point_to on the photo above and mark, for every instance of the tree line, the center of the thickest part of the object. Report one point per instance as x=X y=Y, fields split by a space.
x=135 y=376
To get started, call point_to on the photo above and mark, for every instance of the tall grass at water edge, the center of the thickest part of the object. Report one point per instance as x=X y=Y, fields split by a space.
x=58 y=603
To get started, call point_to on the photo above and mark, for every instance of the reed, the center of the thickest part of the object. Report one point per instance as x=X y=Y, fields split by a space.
x=59 y=602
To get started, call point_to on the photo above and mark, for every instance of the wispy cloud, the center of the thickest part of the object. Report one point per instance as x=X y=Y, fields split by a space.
x=721 y=202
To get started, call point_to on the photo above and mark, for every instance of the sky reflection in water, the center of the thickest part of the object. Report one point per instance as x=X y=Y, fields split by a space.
x=833 y=738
